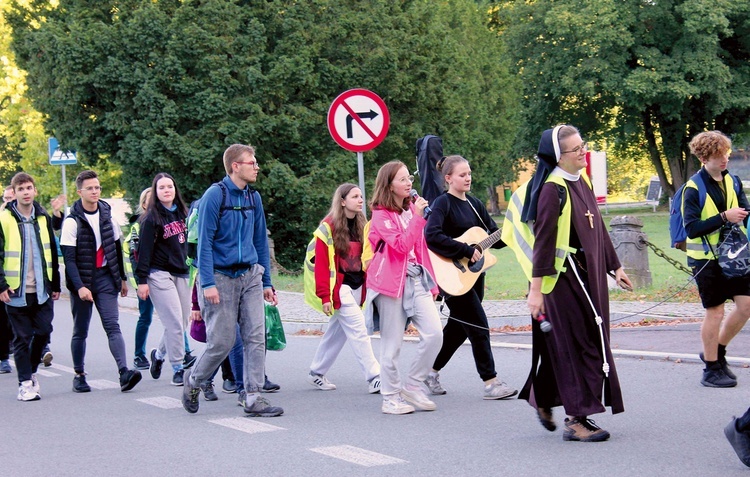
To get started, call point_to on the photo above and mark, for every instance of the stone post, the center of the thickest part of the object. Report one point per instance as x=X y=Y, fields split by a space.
x=271 y=252
x=626 y=236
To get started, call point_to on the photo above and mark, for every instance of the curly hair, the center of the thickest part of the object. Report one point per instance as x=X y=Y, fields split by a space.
x=709 y=144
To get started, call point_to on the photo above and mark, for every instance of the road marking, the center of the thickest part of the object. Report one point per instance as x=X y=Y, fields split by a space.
x=358 y=456
x=101 y=384
x=47 y=374
x=246 y=425
x=163 y=402
x=63 y=368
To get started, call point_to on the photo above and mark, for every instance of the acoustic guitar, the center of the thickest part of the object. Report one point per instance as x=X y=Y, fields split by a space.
x=456 y=276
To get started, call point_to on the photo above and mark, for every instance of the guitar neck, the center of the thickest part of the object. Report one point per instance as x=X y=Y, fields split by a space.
x=490 y=240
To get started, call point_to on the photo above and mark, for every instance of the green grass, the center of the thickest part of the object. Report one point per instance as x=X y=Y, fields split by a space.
x=506 y=280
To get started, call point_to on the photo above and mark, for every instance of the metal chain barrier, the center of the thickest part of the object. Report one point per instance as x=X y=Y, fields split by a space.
x=660 y=253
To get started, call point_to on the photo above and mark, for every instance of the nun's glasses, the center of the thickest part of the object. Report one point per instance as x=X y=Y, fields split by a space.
x=582 y=148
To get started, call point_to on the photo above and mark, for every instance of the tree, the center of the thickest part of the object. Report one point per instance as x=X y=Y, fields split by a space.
x=650 y=73
x=167 y=85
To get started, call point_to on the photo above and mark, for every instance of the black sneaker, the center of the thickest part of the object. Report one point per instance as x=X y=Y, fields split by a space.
x=80 y=385
x=190 y=394
x=715 y=377
x=270 y=387
x=208 y=392
x=739 y=440
x=47 y=358
x=140 y=362
x=155 y=368
x=178 y=379
x=189 y=360
x=724 y=365
x=262 y=408
x=129 y=379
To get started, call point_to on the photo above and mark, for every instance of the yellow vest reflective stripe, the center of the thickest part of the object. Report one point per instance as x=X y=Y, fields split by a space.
x=323 y=232
x=14 y=247
x=520 y=238
x=695 y=247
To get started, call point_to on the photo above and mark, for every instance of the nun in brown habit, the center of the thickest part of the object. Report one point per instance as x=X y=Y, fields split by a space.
x=569 y=367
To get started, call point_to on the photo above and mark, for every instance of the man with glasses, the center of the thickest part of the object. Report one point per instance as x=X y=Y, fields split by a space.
x=234 y=275
x=94 y=274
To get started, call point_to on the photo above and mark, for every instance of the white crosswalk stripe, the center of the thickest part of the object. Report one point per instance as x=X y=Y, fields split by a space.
x=46 y=374
x=163 y=402
x=358 y=456
x=101 y=384
x=247 y=425
x=63 y=368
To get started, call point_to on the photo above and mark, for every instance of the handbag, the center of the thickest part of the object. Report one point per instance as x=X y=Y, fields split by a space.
x=734 y=252
x=275 y=337
x=198 y=330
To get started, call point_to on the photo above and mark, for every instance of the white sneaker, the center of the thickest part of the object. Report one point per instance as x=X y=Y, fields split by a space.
x=418 y=399
x=374 y=387
x=498 y=390
x=35 y=383
x=320 y=382
x=395 y=404
x=26 y=392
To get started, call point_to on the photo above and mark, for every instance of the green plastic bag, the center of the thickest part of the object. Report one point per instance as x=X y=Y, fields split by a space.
x=275 y=337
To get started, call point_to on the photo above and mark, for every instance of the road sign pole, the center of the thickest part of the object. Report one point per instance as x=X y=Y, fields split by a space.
x=65 y=189
x=361 y=170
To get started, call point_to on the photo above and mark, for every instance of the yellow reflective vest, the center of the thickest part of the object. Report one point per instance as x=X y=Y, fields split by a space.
x=520 y=238
x=694 y=246
x=13 y=252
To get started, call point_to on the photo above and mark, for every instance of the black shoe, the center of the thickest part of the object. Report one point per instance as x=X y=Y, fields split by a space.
x=545 y=417
x=190 y=394
x=582 y=429
x=47 y=358
x=262 y=408
x=188 y=361
x=269 y=387
x=724 y=365
x=155 y=368
x=178 y=379
x=740 y=441
x=140 y=362
x=715 y=377
x=129 y=378
x=80 y=385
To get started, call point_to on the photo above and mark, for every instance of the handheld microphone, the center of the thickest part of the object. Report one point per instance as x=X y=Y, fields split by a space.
x=427 y=210
x=545 y=325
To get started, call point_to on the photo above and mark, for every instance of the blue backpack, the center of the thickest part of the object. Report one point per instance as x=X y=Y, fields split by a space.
x=677 y=232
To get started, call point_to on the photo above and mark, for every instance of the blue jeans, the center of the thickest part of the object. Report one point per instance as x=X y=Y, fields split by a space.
x=241 y=301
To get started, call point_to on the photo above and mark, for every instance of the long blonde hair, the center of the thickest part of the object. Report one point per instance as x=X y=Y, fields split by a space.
x=337 y=216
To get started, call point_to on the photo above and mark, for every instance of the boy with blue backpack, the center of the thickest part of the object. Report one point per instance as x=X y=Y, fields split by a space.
x=712 y=199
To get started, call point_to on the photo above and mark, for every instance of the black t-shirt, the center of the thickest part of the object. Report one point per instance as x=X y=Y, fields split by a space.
x=351 y=266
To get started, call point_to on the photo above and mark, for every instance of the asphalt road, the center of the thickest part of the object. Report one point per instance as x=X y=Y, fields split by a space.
x=672 y=425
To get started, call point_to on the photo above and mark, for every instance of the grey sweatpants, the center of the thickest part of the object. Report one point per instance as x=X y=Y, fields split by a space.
x=240 y=301
x=392 y=324
x=172 y=302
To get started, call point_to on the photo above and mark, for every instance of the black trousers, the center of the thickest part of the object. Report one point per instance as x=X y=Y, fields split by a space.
x=32 y=326
x=468 y=308
x=6 y=334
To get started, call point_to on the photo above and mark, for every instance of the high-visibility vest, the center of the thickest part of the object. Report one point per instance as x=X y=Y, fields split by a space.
x=520 y=238
x=13 y=261
x=695 y=246
x=323 y=232
x=128 y=255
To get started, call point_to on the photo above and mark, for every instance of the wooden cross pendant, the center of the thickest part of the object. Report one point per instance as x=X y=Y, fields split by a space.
x=591 y=218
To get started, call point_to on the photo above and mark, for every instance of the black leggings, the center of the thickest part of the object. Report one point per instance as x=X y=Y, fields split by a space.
x=6 y=333
x=468 y=308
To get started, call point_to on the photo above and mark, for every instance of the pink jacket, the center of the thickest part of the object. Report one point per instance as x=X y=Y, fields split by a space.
x=387 y=271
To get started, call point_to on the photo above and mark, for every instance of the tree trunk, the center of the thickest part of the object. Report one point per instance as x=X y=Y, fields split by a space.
x=493 y=208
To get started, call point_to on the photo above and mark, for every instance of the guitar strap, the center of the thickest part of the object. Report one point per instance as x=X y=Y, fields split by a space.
x=480 y=218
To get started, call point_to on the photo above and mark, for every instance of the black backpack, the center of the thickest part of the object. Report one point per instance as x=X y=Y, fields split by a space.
x=429 y=151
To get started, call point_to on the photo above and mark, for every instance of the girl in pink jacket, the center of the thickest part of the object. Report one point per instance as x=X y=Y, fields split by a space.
x=400 y=286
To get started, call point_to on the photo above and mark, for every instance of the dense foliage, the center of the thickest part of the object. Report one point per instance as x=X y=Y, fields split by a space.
x=647 y=73
x=167 y=85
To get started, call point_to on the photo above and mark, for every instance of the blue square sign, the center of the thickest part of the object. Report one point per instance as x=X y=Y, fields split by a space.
x=58 y=157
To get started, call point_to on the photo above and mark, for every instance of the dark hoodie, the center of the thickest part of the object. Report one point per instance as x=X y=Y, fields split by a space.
x=162 y=247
